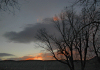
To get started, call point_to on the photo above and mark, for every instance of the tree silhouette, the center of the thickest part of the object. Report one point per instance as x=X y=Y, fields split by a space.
x=92 y=8
x=76 y=33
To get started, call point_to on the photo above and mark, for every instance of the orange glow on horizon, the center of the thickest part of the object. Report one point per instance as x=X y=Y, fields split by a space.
x=46 y=56
x=55 y=18
x=34 y=58
x=29 y=59
x=38 y=57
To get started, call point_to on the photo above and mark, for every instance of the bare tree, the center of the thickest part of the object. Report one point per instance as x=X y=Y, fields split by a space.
x=77 y=32
x=8 y=5
x=68 y=26
x=92 y=8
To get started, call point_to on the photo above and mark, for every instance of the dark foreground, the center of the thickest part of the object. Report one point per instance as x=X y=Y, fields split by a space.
x=45 y=65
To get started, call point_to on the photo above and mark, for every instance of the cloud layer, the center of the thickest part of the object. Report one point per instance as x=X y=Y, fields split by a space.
x=28 y=34
x=5 y=54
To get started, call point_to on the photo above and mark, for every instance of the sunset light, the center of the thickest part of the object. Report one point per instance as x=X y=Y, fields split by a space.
x=34 y=58
x=37 y=57
x=50 y=35
x=29 y=59
x=55 y=18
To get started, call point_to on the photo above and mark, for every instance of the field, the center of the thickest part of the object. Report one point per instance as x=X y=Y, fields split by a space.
x=92 y=64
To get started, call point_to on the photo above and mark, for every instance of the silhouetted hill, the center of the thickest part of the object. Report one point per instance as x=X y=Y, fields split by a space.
x=92 y=64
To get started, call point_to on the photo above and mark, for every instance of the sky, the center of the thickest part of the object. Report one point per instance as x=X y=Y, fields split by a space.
x=17 y=31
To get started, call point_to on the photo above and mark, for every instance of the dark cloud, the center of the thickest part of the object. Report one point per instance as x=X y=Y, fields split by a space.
x=28 y=34
x=5 y=54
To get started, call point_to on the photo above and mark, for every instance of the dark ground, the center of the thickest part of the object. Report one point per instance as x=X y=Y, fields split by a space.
x=92 y=64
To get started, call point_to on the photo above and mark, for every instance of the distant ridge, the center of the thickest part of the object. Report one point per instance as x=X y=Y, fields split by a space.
x=7 y=60
x=28 y=60
x=95 y=59
x=92 y=59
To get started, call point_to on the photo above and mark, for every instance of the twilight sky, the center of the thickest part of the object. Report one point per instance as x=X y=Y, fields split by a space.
x=17 y=31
